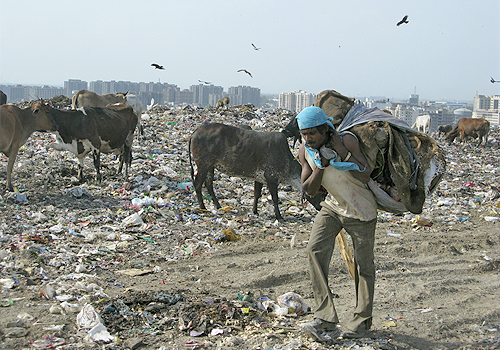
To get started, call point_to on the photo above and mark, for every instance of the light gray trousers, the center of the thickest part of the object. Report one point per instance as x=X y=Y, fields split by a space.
x=327 y=225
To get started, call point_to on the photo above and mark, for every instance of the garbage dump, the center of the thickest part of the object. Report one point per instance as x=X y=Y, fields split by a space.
x=134 y=263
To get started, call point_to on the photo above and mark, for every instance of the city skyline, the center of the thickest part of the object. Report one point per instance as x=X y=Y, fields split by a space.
x=90 y=84
x=206 y=95
x=161 y=93
x=447 y=50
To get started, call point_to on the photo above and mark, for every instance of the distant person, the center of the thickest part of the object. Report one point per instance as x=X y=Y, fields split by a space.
x=349 y=205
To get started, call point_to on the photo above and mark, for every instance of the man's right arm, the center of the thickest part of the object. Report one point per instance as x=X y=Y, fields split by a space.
x=310 y=178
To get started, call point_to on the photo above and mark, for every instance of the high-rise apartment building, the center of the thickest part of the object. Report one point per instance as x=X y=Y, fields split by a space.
x=487 y=107
x=240 y=95
x=295 y=101
x=413 y=100
x=72 y=86
x=406 y=113
x=205 y=95
x=286 y=100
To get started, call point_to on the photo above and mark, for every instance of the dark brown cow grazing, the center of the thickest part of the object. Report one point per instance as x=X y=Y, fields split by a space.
x=16 y=126
x=107 y=130
x=3 y=98
x=443 y=129
x=261 y=156
x=470 y=127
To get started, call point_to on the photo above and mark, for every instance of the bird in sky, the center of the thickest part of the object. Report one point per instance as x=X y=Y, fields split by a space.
x=404 y=20
x=494 y=81
x=204 y=82
x=255 y=47
x=244 y=70
x=157 y=66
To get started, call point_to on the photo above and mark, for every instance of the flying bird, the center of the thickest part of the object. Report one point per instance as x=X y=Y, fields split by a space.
x=494 y=81
x=157 y=66
x=404 y=20
x=205 y=82
x=255 y=47
x=244 y=70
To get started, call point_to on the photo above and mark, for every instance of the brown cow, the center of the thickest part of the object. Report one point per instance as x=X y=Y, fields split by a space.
x=261 y=156
x=96 y=130
x=473 y=127
x=223 y=102
x=86 y=98
x=16 y=126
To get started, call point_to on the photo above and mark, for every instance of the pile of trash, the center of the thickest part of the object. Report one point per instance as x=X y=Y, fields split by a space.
x=59 y=101
x=64 y=245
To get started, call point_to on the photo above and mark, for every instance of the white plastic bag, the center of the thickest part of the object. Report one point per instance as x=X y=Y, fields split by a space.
x=294 y=302
x=88 y=317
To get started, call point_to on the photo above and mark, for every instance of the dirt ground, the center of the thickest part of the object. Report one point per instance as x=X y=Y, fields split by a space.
x=178 y=280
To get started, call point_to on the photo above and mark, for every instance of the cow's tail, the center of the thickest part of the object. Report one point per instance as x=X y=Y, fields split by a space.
x=485 y=137
x=74 y=101
x=191 y=160
x=453 y=132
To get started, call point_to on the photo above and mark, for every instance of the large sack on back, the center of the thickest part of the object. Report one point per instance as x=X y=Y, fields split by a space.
x=334 y=104
x=406 y=165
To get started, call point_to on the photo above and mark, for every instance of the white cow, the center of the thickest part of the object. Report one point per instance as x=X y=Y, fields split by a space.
x=136 y=104
x=423 y=124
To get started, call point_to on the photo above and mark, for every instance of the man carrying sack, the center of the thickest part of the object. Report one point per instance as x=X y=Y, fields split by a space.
x=334 y=163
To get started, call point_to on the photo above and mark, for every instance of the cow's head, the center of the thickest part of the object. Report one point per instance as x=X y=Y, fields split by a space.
x=43 y=116
x=292 y=130
x=122 y=94
x=450 y=136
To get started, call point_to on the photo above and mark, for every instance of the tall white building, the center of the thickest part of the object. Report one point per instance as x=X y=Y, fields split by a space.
x=406 y=113
x=296 y=101
x=286 y=100
x=487 y=107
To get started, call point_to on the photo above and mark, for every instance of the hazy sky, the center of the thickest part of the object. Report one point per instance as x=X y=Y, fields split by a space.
x=448 y=50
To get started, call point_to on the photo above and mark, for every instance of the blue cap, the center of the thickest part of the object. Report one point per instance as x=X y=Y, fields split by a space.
x=311 y=117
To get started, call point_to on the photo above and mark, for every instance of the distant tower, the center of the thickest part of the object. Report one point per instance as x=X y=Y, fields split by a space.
x=414 y=98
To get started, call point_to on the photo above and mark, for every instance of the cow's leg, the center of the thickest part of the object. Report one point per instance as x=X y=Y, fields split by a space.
x=257 y=193
x=80 y=169
x=462 y=136
x=97 y=164
x=127 y=159
x=273 y=188
x=209 y=183
x=198 y=181
x=10 y=165
x=120 y=163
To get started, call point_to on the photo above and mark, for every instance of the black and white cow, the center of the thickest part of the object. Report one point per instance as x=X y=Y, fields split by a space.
x=96 y=130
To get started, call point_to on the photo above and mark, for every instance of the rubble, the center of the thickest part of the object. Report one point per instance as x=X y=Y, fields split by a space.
x=129 y=254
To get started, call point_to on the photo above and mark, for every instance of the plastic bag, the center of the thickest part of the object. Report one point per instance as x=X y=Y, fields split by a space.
x=294 y=302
